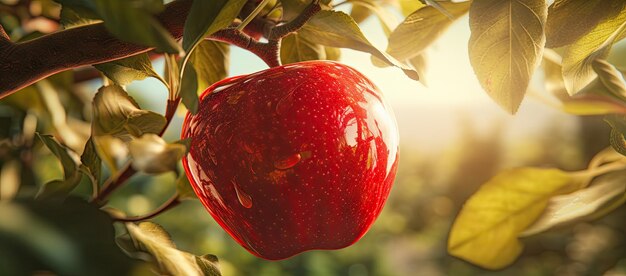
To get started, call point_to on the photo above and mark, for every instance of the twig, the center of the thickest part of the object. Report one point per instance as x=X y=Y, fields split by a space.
x=285 y=29
x=113 y=183
x=169 y=204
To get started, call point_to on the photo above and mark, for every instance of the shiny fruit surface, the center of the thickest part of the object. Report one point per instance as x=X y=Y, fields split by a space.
x=293 y=158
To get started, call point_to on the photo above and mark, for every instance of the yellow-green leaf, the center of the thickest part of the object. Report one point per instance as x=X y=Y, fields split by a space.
x=210 y=59
x=486 y=230
x=569 y=20
x=385 y=17
x=189 y=88
x=113 y=151
x=505 y=46
x=332 y=53
x=124 y=71
x=410 y=6
x=153 y=239
x=153 y=155
x=360 y=13
x=421 y=28
x=296 y=48
x=207 y=17
x=115 y=113
x=579 y=205
x=184 y=189
x=337 y=29
x=577 y=70
x=132 y=21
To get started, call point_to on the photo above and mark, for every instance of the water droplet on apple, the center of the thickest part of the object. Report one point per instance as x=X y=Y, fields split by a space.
x=244 y=199
x=287 y=162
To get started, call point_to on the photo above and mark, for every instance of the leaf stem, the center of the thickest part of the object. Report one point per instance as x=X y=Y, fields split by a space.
x=252 y=15
x=169 y=204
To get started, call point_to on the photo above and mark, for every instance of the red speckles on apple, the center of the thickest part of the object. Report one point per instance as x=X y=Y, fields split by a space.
x=293 y=158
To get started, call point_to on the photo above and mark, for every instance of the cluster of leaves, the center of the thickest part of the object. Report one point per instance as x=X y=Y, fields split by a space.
x=571 y=40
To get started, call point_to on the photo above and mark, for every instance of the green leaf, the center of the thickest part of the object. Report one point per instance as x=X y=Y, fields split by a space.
x=610 y=78
x=578 y=57
x=360 y=12
x=117 y=114
x=91 y=160
x=151 y=238
x=210 y=59
x=337 y=29
x=153 y=155
x=76 y=17
x=124 y=71
x=409 y=6
x=570 y=20
x=72 y=176
x=292 y=8
x=332 y=53
x=617 y=138
x=113 y=151
x=604 y=95
x=67 y=238
x=421 y=28
x=206 y=18
x=419 y=63
x=505 y=46
x=486 y=230
x=385 y=17
x=132 y=21
x=189 y=88
x=580 y=205
x=69 y=164
x=296 y=48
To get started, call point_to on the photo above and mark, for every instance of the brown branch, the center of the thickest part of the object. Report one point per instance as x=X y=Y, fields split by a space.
x=22 y=64
x=283 y=30
x=4 y=37
x=113 y=183
x=264 y=51
x=25 y=63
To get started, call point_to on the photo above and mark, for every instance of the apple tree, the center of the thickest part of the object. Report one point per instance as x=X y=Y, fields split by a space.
x=98 y=142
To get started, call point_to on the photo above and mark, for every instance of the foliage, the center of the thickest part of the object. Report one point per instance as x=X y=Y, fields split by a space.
x=93 y=143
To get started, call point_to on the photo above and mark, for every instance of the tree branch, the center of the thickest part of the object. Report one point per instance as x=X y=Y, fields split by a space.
x=27 y=62
x=22 y=64
x=283 y=30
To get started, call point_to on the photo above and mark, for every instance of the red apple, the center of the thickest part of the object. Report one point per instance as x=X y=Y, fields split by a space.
x=293 y=158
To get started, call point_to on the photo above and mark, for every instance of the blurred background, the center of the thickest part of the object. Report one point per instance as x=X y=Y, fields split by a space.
x=453 y=139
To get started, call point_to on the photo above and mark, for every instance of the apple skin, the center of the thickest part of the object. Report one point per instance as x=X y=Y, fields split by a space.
x=293 y=158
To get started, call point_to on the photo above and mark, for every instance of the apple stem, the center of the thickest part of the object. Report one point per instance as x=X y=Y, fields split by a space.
x=169 y=204
x=268 y=51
